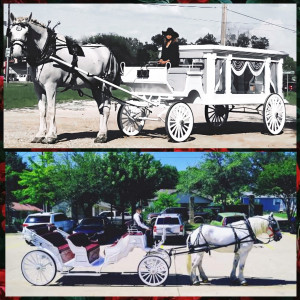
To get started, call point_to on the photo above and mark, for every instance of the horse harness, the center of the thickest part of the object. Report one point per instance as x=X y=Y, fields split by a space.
x=196 y=247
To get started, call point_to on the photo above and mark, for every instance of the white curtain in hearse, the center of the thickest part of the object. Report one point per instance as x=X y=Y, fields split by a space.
x=247 y=77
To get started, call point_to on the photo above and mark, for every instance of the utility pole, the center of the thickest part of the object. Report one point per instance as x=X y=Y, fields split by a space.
x=7 y=46
x=224 y=24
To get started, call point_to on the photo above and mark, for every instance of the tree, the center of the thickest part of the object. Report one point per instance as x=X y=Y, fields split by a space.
x=13 y=165
x=279 y=179
x=158 y=40
x=182 y=41
x=164 y=200
x=243 y=40
x=289 y=64
x=222 y=176
x=38 y=182
x=259 y=42
x=207 y=39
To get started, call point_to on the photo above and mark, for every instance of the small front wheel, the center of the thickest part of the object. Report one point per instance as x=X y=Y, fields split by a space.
x=128 y=119
x=153 y=270
x=163 y=254
x=38 y=267
x=179 y=122
x=274 y=114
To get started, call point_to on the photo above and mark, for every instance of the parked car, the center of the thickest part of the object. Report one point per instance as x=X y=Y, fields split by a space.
x=183 y=211
x=172 y=223
x=59 y=220
x=223 y=219
x=115 y=217
x=98 y=228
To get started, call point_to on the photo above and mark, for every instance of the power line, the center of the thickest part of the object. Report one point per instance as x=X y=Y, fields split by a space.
x=270 y=23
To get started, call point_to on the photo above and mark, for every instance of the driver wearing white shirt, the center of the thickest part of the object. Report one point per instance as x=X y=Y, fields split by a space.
x=138 y=220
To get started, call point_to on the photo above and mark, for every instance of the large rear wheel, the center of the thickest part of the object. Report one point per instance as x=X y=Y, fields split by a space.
x=216 y=115
x=274 y=114
x=38 y=267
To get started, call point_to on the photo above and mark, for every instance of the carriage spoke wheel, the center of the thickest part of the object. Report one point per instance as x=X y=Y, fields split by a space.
x=128 y=119
x=38 y=267
x=163 y=254
x=274 y=114
x=153 y=270
x=216 y=115
x=179 y=122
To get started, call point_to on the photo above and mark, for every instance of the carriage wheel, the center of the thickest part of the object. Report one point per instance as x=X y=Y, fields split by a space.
x=163 y=254
x=128 y=119
x=38 y=267
x=216 y=115
x=153 y=270
x=274 y=114
x=179 y=122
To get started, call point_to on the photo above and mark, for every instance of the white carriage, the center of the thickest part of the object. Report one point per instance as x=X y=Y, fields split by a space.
x=224 y=79
x=57 y=251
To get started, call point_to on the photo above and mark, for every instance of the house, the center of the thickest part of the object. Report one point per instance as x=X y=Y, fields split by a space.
x=184 y=198
x=269 y=202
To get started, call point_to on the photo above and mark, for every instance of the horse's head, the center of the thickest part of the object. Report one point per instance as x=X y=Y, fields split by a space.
x=18 y=34
x=273 y=229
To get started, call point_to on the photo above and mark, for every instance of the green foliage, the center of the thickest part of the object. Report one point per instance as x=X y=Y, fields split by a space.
x=291 y=97
x=289 y=64
x=164 y=200
x=38 y=182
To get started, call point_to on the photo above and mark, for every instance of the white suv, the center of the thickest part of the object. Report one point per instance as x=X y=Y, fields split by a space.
x=60 y=220
x=172 y=223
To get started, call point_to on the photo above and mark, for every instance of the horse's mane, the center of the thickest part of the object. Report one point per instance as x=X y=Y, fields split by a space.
x=32 y=21
x=258 y=224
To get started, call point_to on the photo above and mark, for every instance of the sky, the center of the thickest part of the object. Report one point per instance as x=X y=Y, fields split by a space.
x=181 y=160
x=143 y=21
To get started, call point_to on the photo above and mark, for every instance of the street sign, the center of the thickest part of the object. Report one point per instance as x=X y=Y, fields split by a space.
x=7 y=52
x=289 y=72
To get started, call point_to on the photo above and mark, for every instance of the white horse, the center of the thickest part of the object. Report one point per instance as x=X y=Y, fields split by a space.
x=238 y=239
x=38 y=42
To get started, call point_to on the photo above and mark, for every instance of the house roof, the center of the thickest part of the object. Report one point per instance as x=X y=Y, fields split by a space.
x=24 y=207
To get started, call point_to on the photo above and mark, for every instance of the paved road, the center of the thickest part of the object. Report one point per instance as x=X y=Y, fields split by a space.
x=270 y=271
x=78 y=123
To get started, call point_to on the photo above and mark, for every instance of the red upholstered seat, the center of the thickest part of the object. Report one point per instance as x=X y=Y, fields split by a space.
x=57 y=240
x=81 y=240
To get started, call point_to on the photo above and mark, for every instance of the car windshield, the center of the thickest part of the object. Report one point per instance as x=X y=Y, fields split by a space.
x=92 y=222
x=38 y=219
x=167 y=221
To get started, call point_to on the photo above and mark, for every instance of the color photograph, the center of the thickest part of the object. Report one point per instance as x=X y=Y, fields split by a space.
x=150 y=76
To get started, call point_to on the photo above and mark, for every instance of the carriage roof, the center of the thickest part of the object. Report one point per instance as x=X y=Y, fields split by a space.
x=197 y=51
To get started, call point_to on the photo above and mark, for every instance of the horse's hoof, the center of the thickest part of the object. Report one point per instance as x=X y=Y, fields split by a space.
x=244 y=283
x=197 y=282
x=205 y=281
x=49 y=140
x=37 y=140
x=101 y=139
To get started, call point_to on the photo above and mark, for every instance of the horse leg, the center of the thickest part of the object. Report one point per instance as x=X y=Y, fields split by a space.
x=41 y=95
x=243 y=257
x=195 y=262
x=201 y=271
x=236 y=259
x=103 y=102
x=51 y=136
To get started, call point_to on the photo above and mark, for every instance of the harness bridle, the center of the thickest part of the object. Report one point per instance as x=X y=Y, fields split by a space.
x=42 y=55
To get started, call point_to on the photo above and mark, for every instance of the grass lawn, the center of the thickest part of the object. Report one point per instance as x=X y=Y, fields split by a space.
x=291 y=97
x=280 y=215
x=21 y=94
x=191 y=226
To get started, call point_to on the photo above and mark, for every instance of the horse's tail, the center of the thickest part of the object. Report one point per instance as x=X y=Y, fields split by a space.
x=189 y=256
